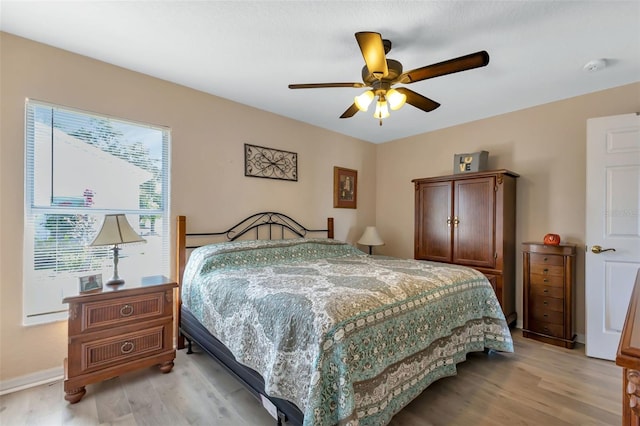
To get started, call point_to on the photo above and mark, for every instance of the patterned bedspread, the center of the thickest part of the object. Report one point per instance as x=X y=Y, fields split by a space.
x=349 y=338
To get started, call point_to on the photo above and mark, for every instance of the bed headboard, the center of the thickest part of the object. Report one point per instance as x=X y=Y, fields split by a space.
x=277 y=226
x=268 y=221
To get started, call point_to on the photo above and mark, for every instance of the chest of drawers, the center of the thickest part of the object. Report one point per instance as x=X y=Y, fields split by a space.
x=628 y=357
x=548 y=290
x=112 y=332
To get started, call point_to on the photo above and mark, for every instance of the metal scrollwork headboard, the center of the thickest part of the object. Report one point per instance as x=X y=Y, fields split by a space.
x=276 y=225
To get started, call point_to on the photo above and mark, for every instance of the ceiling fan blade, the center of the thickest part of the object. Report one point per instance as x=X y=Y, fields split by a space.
x=323 y=85
x=350 y=112
x=417 y=100
x=372 y=50
x=463 y=63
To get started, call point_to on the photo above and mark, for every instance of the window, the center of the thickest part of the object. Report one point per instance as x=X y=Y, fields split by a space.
x=78 y=167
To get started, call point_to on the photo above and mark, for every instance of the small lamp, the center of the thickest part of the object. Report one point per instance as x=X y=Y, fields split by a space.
x=116 y=230
x=370 y=238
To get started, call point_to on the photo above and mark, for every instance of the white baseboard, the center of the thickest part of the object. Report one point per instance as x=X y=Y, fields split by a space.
x=31 y=380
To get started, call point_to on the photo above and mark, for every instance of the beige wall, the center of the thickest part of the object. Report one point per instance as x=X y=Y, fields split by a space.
x=207 y=161
x=546 y=145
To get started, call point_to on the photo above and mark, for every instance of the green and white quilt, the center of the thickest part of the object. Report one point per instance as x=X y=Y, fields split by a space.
x=349 y=338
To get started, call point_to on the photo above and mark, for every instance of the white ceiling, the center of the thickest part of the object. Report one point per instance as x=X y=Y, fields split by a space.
x=249 y=51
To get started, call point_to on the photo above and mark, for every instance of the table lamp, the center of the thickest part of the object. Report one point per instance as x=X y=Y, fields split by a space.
x=370 y=238
x=115 y=231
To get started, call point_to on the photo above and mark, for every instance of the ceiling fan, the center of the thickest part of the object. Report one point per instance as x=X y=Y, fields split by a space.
x=381 y=74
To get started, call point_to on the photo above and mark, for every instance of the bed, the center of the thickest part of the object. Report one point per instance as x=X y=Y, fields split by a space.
x=322 y=333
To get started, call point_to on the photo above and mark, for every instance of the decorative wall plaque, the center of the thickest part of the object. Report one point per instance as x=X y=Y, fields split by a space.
x=270 y=163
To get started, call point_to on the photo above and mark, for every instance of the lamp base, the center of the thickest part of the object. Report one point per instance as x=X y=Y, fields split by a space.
x=115 y=282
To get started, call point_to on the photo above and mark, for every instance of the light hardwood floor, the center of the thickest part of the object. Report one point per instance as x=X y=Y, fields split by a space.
x=539 y=384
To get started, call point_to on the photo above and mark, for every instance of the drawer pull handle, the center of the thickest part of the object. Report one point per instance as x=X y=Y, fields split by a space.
x=545 y=303
x=127 y=347
x=546 y=258
x=545 y=315
x=545 y=280
x=545 y=329
x=545 y=270
x=126 y=310
x=546 y=290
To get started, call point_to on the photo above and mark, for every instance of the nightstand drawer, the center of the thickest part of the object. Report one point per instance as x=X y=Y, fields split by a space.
x=111 y=313
x=102 y=353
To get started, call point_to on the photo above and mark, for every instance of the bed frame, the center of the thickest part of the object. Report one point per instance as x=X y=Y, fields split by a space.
x=275 y=226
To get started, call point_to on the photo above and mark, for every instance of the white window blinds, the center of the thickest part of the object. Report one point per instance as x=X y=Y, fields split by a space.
x=78 y=167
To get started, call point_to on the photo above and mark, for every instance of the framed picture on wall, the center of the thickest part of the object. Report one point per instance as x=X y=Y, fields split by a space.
x=345 y=188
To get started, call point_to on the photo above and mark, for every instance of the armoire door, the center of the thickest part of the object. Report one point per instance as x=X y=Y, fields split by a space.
x=474 y=222
x=433 y=221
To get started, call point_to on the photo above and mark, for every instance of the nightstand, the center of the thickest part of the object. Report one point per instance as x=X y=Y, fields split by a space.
x=548 y=289
x=115 y=331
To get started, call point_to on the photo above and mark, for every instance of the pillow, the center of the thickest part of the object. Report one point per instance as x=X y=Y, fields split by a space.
x=239 y=254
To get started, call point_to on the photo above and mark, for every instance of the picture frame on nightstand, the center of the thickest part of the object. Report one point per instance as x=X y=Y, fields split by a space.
x=90 y=283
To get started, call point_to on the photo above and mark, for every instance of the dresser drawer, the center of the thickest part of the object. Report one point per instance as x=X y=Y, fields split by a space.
x=547 y=270
x=547 y=280
x=555 y=330
x=546 y=291
x=546 y=259
x=547 y=315
x=115 y=312
x=109 y=351
x=546 y=303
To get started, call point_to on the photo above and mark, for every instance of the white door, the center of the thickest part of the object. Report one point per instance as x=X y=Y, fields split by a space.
x=612 y=258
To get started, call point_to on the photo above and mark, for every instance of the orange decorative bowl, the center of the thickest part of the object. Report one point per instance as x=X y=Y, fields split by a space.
x=552 y=239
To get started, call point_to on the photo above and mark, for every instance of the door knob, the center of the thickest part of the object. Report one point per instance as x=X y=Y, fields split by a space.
x=599 y=249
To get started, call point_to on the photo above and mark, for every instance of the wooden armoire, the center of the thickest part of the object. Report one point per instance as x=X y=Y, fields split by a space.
x=470 y=219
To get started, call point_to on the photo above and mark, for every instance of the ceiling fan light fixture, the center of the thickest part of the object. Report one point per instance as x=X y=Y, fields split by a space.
x=364 y=100
x=382 y=110
x=396 y=99
x=380 y=74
